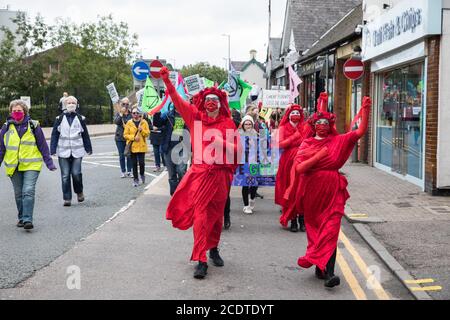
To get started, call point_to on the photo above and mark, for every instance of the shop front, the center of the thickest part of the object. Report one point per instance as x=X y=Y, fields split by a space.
x=396 y=46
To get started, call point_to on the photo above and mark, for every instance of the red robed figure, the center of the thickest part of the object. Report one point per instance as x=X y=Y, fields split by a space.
x=320 y=191
x=201 y=196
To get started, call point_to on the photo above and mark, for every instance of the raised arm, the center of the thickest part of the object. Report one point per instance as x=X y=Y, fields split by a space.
x=365 y=113
x=186 y=110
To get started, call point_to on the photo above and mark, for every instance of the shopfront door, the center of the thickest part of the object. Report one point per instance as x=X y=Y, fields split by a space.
x=400 y=120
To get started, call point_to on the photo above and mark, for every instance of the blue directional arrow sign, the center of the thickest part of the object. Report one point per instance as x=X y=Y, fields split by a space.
x=140 y=71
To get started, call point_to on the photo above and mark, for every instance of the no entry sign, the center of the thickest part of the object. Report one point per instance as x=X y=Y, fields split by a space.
x=353 y=69
x=155 y=67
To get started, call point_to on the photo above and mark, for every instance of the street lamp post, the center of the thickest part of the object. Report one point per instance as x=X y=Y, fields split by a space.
x=229 y=50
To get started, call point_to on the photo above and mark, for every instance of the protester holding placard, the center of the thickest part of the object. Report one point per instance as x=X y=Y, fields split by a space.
x=290 y=136
x=249 y=138
x=120 y=120
x=201 y=196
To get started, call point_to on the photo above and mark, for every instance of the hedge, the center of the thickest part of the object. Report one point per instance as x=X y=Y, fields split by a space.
x=46 y=115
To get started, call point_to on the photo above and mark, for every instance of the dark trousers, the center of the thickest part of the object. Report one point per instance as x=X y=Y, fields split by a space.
x=157 y=150
x=71 y=170
x=246 y=191
x=175 y=171
x=121 y=148
x=138 y=158
x=226 y=213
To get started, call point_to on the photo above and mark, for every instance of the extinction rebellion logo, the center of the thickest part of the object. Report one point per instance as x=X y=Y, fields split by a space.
x=408 y=21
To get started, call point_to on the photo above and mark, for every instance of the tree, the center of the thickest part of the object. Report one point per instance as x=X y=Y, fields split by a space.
x=204 y=69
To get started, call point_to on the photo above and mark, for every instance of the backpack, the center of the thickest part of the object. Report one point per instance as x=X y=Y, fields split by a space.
x=33 y=125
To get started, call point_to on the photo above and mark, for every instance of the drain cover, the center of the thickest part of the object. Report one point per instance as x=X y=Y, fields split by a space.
x=439 y=210
x=403 y=205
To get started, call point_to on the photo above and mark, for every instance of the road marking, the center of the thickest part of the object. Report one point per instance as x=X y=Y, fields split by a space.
x=156 y=180
x=419 y=281
x=125 y=208
x=377 y=288
x=358 y=215
x=113 y=166
x=435 y=288
x=350 y=277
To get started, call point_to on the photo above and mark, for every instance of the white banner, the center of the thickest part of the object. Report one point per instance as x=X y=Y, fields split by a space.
x=276 y=98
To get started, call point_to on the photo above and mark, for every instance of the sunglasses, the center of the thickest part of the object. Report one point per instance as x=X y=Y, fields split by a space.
x=212 y=99
x=136 y=113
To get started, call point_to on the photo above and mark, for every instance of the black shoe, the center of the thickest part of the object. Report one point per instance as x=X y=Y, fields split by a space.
x=215 y=257
x=333 y=281
x=227 y=225
x=28 y=225
x=294 y=225
x=259 y=196
x=301 y=222
x=201 y=270
x=320 y=274
x=20 y=224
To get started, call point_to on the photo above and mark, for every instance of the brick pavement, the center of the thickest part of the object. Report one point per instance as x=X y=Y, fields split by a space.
x=390 y=199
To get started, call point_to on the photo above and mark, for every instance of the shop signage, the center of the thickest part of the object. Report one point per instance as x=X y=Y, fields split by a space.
x=406 y=22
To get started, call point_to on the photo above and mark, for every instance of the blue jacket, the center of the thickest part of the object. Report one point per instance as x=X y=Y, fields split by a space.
x=165 y=122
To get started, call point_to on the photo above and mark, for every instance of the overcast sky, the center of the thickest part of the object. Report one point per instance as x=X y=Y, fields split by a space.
x=181 y=31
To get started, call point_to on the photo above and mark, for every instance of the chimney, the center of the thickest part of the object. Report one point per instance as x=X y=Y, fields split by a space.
x=253 y=54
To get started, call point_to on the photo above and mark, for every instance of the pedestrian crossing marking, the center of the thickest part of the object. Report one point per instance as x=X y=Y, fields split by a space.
x=419 y=281
x=433 y=288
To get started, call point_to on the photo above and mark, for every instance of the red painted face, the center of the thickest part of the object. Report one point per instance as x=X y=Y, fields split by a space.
x=322 y=128
x=212 y=103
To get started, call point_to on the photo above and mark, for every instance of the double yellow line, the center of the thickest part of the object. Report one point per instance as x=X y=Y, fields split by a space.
x=350 y=277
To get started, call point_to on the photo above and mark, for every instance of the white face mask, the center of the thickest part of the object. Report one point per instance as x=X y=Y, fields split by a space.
x=71 y=107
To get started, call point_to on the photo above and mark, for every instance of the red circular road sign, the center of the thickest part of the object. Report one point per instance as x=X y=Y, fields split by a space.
x=155 y=67
x=353 y=69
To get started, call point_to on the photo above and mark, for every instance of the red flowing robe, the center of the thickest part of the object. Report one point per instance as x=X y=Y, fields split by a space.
x=283 y=178
x=201 y=196
x=321 y=194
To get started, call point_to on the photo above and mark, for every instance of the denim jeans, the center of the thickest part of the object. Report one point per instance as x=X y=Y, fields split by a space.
x=71 y=170
x=157 y=150
x=176 y=171
x=24 y=184
x=121 y=148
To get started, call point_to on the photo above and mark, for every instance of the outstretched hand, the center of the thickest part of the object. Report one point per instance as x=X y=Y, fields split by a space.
x=164 y=72
x=367 y=103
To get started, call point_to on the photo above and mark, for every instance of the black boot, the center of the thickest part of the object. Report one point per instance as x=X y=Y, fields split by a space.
x=320 y=274
x=330 y=279
x=294 y=225
x=215 y=257
x=301 y=222
x=227 y=224
x=201 y=270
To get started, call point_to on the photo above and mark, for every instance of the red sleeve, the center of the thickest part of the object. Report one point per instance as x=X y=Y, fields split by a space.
x=186 y=110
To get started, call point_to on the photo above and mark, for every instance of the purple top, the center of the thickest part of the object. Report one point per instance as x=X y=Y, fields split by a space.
x=40 y=140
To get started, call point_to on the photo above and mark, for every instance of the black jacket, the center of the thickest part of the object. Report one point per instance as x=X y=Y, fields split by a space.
x=120 y=121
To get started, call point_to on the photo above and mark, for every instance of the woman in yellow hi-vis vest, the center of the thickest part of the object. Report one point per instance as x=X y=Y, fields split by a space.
x=23 y=149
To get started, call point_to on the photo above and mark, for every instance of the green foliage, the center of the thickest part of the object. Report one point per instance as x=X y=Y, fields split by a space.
x=203 y=69
x=47 y=115
x=42 y=61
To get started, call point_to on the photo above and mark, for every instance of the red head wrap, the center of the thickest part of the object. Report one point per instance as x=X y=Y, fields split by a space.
x=199 y=100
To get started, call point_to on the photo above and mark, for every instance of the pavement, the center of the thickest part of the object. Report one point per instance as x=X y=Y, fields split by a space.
x=405 y=225
x=137 y=254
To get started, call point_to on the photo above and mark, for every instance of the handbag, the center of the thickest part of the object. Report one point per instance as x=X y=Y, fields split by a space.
x=127 y=151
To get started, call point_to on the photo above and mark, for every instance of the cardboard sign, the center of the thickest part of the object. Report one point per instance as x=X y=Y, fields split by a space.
x=173 y=76
x=27 y=100
x=194 y=84
x=276 y=98
x=113 y=93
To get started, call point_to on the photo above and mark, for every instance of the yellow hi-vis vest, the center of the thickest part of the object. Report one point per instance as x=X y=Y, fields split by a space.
x=22 y=154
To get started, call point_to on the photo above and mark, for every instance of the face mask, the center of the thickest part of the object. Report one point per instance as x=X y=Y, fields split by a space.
x=17 y=115
x=323 y=130
x=71 y=107
x=212 y=106
x=295 y=118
